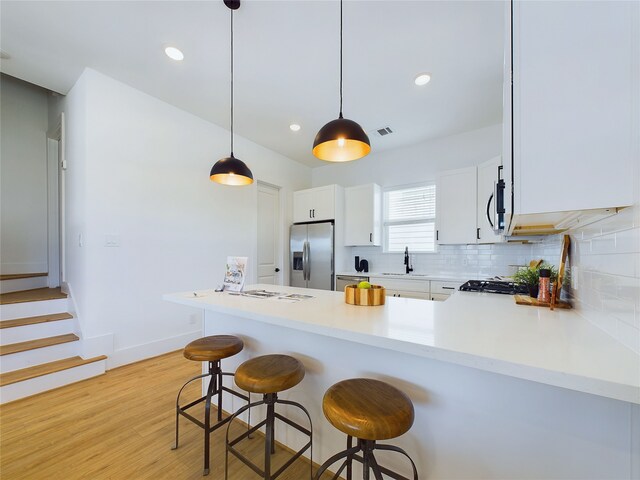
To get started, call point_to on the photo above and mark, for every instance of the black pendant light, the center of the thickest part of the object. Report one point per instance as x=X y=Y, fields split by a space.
x=341 y=140
x=231 y=170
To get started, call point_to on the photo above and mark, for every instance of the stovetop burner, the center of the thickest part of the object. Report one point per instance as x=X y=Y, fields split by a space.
x=493 y=286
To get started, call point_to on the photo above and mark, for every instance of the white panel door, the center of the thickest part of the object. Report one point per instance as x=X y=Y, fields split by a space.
x=269 y=238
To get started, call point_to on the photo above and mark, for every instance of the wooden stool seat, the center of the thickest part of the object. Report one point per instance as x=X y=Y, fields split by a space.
x=213 y=348
x=368 y=409
x=269 y=374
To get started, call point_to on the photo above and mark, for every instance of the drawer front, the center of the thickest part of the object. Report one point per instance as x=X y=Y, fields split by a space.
x=439 y=297
x=408 y=294
x=444 y=288
x=401 y=284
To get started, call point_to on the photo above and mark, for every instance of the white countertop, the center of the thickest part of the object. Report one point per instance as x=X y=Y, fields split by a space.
x=485 y=331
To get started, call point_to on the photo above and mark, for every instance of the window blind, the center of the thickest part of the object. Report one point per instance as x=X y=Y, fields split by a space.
x=409 y=219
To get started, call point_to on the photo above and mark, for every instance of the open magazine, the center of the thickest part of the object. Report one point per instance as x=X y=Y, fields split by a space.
x=235 y=274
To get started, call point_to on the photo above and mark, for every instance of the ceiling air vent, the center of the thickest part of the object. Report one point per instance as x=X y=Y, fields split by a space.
x=384 y=131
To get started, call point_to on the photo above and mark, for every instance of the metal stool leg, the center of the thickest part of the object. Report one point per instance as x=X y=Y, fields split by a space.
x=178 y=403
x=211 y=390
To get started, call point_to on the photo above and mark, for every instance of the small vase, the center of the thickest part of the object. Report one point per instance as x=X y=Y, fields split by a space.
x=533 y=291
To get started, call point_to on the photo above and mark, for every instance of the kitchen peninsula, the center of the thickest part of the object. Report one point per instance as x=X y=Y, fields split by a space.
x=500 y=391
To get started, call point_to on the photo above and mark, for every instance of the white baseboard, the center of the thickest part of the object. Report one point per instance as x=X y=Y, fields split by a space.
x=96 y=346
x=152 y=349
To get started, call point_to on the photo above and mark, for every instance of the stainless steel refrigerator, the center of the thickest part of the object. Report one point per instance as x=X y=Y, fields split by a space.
x=311 y=260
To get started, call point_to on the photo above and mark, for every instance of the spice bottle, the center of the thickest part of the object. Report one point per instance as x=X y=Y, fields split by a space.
x=543 y=289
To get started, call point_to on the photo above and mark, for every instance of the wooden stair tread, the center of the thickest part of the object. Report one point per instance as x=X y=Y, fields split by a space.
x=35 y=295
x=17 y=276
x=39 y=343
x=20 y=322
x=45 y=369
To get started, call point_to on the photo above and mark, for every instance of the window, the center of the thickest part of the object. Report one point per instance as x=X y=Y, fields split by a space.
x=409 y=219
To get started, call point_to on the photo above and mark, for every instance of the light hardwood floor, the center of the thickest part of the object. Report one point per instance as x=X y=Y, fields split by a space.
x=118 y=426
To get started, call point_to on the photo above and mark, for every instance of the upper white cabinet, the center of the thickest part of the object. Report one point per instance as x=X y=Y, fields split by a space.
x=456 y=199
x=486 y=202
x=315 y=204
x=362 y=215
x=575 y=106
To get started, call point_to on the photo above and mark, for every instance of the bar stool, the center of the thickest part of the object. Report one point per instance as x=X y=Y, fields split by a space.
x=269 y=375
x=369 y=410
x=209 y=349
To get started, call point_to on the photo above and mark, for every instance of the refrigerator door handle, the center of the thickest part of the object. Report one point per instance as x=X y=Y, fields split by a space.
x=305 y=260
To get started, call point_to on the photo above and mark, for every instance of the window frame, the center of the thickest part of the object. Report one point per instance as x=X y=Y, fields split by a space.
x=386 y=223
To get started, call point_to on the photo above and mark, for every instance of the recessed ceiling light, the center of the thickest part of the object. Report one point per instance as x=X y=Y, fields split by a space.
x=422 y=79
x=173 y=53
x=294 y=127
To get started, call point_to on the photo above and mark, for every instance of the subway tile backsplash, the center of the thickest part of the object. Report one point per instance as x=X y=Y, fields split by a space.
x=458 y=261
x=605 y=274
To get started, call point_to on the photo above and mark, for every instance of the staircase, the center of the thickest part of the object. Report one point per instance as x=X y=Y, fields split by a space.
x=38 y=348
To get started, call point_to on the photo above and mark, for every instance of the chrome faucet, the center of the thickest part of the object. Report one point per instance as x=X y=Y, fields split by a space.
x=407 y=263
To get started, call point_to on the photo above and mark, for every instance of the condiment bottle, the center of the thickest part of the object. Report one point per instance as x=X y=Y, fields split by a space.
x=543 y=289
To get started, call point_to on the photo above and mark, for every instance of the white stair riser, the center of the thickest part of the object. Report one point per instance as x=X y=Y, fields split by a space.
x=37 y=356
x=33 y=309
x=18 y=284
x=33 y=332
x=15 y=391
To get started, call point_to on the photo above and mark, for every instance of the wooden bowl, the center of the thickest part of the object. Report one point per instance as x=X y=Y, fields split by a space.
x=364 y=296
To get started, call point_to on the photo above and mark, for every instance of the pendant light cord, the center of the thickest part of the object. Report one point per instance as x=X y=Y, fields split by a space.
x=340 y=59
x=232 y=83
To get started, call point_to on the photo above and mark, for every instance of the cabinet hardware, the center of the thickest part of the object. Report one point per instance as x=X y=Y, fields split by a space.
x=437 y=235
x=478 y=233
x=448 y=288
x=314 y=213
x=310 y=214
x=371 y=238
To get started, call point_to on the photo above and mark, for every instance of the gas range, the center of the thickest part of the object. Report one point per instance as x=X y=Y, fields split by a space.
x=493 y=286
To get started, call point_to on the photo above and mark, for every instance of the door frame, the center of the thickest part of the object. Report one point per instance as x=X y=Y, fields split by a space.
x=56 y=166
x=282 y=278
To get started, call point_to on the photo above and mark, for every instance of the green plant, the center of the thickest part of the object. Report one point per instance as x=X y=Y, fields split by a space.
x=527 y=276
x=531 y=276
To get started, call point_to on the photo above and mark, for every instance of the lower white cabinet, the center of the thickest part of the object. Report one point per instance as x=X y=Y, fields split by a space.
x=441 y=290
x=407 y=294
x=416 y=287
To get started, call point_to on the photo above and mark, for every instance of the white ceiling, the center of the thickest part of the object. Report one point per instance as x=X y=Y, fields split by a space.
x=286 y=61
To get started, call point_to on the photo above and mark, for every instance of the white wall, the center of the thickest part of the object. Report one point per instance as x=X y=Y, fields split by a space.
x=23 y=173
x=417 y=163
x=138 y=171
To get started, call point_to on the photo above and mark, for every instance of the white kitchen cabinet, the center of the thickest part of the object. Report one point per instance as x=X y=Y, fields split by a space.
x=441 y=290
x=575 y=107
x=456 y=199
x=362 y=215
x=485 y=205
x=315 y=204
x=400 y=287
x=408 y=294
